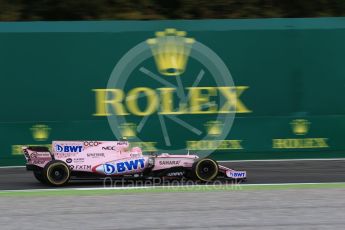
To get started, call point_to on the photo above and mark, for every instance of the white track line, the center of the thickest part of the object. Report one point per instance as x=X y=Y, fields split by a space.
x=104 y=188
x=303 y=183
x=11 y=167
x=76 y=189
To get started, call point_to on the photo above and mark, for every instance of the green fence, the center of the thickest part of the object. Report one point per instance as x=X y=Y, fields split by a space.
x=102 y=80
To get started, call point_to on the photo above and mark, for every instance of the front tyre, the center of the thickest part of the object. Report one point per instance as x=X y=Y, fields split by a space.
x=56 y=173
x=205 y=169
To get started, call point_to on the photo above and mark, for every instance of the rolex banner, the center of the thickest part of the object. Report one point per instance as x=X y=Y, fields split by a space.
x=232 y=89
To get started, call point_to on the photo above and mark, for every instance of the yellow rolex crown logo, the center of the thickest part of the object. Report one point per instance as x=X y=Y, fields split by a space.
x=171 y=50
x=40 y=132
x=300 y=126
x=214 y=128
x=128 y=130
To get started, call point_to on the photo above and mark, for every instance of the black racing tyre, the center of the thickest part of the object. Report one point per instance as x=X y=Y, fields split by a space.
x=205 y=169
x=39 y=176
x=56 y=173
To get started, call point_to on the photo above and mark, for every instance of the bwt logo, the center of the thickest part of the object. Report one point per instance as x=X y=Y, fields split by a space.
x=68 y=148
x=125 y=166
x=237 y=174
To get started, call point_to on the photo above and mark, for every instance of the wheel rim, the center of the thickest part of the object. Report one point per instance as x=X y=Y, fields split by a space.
x=58 y=174
x=207 y=170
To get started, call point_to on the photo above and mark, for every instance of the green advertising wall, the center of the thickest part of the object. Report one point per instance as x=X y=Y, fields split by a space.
x=102 y=80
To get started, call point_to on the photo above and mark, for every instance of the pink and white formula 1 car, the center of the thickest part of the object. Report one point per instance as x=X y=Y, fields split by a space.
x=101 y=159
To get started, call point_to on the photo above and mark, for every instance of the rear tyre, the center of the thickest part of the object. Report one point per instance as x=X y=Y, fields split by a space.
x=56 y=173
x=39 y=176
x=205 y=169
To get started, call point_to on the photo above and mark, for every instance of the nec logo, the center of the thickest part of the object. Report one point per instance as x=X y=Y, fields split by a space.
x=68 y=148
x=109 y=148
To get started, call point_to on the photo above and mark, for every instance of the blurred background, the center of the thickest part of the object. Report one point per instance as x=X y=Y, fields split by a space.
x=20 y=10
x=299 y=61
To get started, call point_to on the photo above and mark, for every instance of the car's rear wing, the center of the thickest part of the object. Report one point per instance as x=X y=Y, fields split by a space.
x=37 y=155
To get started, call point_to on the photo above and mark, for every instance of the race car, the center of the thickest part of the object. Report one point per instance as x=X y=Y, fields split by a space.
x=116 y=159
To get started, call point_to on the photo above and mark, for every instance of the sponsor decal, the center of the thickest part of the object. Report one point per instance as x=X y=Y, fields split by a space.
x=65 y=155
x=230 y=94
x=69 y=160
x=78 y=160
x=122 y=143
x=68 y=148
x=215 y=144
x=175 y=174
x=204 y=86
x=128 y=130
x=214 y=128
x=122 y=167
x=39 y=161
x=169 y=162
x=39 y=158
x=109 y=148
x=300 y=128
x=40 y=155
x=82 y=167
x=95 y=155
x=300 y=143
x=236 y=174
x=91 y=143
x=40 y=132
